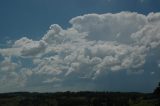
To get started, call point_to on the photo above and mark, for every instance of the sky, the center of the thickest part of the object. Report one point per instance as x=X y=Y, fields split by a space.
x=79 y=45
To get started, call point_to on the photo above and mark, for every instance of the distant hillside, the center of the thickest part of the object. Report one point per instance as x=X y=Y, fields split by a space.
x=87 y=98
x=79 y=99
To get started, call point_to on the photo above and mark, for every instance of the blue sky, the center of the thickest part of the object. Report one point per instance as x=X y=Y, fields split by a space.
x=27 y=44
x=33 y=17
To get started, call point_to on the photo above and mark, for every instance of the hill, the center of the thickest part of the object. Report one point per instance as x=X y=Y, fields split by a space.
x=79 y=99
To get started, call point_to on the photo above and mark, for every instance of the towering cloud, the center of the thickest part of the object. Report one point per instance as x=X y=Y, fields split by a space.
x=93 y=46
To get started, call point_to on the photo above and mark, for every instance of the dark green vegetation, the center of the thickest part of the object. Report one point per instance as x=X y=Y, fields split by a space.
x=81 y=99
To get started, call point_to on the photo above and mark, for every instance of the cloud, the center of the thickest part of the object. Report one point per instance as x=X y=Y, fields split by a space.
x=10 y=79
x=152 y=73
x=95 y=44
x=29 y=47
x=110 y=27
x=159 y=65
x=6 y=65
x=25 y=47
x=51 y=80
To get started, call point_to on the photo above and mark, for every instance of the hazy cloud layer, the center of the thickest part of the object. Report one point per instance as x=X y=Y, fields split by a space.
x=93 y=46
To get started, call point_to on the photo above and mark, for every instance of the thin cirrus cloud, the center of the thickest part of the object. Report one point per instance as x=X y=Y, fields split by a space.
x=95 y=44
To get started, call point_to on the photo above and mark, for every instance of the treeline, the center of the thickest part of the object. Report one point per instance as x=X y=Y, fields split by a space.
x=81 y=99
x=73 y=99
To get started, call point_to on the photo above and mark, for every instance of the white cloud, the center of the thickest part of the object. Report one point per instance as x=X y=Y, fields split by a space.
x=7 y=65
x=9 y=75
x=34 y=49
x=152 y=73
x=7 y=52
x=52 y=80
x=25 y=47
x=29 y=47
x=106 y=27
x=94 y=44
x=159 y=65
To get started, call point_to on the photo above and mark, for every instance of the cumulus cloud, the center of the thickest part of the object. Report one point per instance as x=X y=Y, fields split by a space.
x=6 y=65
x=51 y=80
x=25 y=47
x=94 y=45
x=152 y=73
x=10 y=78
x=159 y=65
x=110 y=27
x=29 y=47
